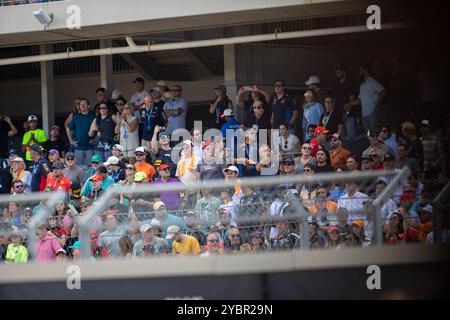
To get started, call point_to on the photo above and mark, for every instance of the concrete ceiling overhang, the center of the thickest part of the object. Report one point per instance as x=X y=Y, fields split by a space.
x=116 y=18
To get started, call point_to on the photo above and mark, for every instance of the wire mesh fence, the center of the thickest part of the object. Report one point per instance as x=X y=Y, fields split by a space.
x=211 y=218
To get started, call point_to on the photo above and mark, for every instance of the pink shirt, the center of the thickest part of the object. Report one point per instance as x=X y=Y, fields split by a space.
x=47 y=249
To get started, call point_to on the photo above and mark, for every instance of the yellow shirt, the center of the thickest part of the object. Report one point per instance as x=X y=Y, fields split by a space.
x=189 y=246
x=39 y=136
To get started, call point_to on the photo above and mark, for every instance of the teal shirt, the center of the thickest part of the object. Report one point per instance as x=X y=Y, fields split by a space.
x=87 y=188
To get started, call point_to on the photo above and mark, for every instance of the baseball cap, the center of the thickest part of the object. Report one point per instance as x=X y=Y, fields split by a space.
x=96 y=177
x=359 y=223
x=155 y=89
x=36 y=147
x=188 y=142
x=111 y=160
x=425 y=122
x=118 y=147
x=69 y=154
x=163 y=166
x=231 y=168
x=205 y=144
x=389 y=157
x=17 y=159
x=139 y=149
x=76 y=245
x=366 y=158
x=312 y=80
x=58 y=165
x=155 y=223
x=332 y=228
x=158 y=204
x=53 y=151
x=139 y=79
x=145 y=227
x=75 y=186
x=32 y=117
x=228 y=113
x=221 y=88
x=320 y=130
x=289 y=162
x=96 y=158
x=139 y=176
x=336 y=136
x=55 y=127
x=161 y=83
x=171 y=231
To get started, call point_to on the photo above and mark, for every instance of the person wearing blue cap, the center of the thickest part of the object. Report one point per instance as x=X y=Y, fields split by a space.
x=41 y=168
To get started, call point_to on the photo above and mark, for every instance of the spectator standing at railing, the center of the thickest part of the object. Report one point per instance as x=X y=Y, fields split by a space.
x=41 y=168
x=138 y=97
x=176 y=110
x=80 y=125
x=16 y=252
x=7 y=131
x=129 y=133
x=102 y=130
x=55 y=142
x=73 y=172
x=403 y=159
x=312 y=112
x=415 y=144
x=152 y=114
x=33 y=136
x=388 y=137
x=432 y=151
x=284 y=107
x=102 y=98
x=371 y=95
x=218 y=106
x=345 y=92
x=257 y=97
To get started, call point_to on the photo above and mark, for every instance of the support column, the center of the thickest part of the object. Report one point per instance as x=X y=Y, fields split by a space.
x=229 y=53
x=106 y=67
x=47 y=91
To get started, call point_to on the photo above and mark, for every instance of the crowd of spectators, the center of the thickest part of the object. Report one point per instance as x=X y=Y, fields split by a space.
x=119 y=142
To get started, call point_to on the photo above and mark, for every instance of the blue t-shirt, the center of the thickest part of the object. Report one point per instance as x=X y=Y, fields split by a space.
x=80 y=126
x=150 y=118
x=231 y=124
x=368 y=94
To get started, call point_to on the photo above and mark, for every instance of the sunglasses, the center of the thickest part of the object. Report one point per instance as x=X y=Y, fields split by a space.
x=163 y=137
x=119 y=104
x=95 y=162
x=20 y=186
x=102 y=108
x=235 y=235
x=334 y=140
x=306 y=170
x=70 y=159
x=258 y=107
x=165 y=169
x=306 y=148
x=130 y=168
x=213 y=240
x=139 y=154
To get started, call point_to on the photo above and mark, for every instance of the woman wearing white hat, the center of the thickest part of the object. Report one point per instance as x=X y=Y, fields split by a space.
x=19 y=172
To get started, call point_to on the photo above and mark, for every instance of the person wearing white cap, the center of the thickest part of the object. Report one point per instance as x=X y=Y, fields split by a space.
x=230 y=123
x=19 y=173
x=117 y=173
x=117 y=151
x=313 y=83
x=33 y=136
x=150 y=244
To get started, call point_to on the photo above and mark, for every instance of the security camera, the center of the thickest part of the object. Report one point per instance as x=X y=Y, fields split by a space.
x=43 y=17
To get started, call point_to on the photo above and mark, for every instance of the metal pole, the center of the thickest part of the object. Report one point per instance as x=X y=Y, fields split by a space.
x=382 y=198
x=438 y=212
x=194 y=44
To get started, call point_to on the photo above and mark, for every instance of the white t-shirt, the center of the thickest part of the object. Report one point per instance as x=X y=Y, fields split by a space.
x=138 y=98
x=179 y=121
x=354 y=205
x=288 y=144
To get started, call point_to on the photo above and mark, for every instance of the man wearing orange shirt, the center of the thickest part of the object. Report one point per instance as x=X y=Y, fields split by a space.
x=141 y=165
x=338 y=154
x=57 y=181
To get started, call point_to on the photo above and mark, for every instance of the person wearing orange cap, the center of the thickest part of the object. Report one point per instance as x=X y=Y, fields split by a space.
x=357 y=233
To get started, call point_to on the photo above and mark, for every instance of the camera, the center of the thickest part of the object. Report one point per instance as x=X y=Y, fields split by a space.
x=162 y=128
